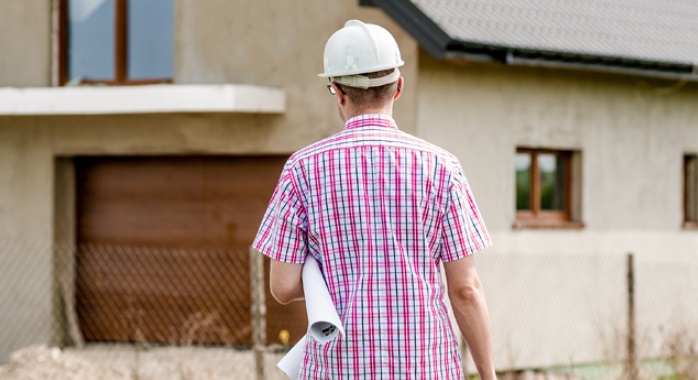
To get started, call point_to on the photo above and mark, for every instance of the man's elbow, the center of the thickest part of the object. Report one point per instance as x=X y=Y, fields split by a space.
x=280 y=295
x=286 y=282
x=284 y=294
x=466 y=294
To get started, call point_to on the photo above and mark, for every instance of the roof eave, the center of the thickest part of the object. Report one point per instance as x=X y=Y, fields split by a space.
x=429 y=35
x=463 y=51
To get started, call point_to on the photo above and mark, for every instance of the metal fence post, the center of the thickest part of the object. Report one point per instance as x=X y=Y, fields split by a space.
x=631 y=360
x=259 y=311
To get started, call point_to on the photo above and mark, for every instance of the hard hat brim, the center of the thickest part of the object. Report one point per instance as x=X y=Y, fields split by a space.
x=362 y=81
x=358 y=72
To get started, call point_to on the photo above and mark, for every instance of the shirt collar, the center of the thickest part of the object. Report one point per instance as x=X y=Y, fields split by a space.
x=370 y=120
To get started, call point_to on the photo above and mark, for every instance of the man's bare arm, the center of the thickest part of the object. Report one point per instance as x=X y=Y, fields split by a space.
x=470 y=309
x=286 y=281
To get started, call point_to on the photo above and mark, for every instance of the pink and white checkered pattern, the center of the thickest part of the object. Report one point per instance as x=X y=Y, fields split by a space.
x=379 y=209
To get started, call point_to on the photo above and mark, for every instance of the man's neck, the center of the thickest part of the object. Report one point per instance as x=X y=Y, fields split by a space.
x=388 y=111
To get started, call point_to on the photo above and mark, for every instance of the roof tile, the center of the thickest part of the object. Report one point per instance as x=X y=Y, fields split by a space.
x=652 y=30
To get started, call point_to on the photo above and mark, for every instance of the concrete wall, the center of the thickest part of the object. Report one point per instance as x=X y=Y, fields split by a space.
x=25 y=43
x=632 y=134
x=278 y=44
x=244 y=42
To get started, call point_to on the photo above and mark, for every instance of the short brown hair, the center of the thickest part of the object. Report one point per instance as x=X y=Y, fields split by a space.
x=372 y=96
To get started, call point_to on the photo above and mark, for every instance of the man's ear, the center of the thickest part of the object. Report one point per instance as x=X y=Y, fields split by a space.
x=400 y=87
x=341 y=97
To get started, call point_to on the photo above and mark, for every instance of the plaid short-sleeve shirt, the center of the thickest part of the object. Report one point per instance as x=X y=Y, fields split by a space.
x=379 y=209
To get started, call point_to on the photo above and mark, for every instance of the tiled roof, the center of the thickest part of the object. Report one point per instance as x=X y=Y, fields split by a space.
x=657 y=36
x=653 y=30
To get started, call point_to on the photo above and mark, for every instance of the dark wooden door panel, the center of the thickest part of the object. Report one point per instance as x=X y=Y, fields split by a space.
x=164 y=246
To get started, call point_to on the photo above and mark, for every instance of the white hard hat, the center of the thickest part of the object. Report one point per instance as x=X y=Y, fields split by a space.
x=360 y=48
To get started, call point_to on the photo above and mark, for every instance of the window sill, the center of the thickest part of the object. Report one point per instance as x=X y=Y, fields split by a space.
x=548 y=224
x=690 y=225
x=114 y=100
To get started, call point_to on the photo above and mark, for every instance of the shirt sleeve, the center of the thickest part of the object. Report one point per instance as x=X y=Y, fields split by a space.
x=282 y=235
x=463 y=230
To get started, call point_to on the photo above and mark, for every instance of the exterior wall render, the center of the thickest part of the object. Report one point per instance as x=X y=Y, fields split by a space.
x=25 y=45
x=632 y=134
x=264 y=43
x=279 y=44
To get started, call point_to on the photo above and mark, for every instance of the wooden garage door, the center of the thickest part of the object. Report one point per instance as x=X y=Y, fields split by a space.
x=163 y=249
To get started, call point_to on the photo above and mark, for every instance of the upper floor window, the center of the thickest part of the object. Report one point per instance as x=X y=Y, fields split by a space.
x=690 y=170
x=116 y=41
x=544 y=188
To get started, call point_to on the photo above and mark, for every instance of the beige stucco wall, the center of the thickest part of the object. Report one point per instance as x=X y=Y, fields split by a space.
x=278 y=44
x=558 y=296
x=265 y=43
x=634 y=130
x=25 y=43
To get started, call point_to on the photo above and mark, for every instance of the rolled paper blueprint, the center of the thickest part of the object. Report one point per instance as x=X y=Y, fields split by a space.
x=290 y=364
x=323 y=320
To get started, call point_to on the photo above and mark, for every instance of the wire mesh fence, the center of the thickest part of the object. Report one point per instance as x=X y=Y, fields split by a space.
x=182 y=296
x=120 y=312
x=139 y=312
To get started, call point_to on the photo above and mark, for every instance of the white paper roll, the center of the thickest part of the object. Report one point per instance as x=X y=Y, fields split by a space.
x=322 y=315
x=323 y=320
x=290 y=364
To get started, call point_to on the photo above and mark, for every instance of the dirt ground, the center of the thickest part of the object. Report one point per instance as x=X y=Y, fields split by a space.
x=115 y=362
x=125 y=362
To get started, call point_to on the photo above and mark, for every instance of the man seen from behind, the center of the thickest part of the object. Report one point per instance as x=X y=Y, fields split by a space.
x=380 y=210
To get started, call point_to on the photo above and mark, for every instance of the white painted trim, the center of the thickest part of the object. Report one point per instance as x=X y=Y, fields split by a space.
x=110 y=100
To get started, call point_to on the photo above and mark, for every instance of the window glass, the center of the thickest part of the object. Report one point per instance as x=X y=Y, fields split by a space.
x=523 y=181
x=150 y=39
x=91 y=39
x=552 y=181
